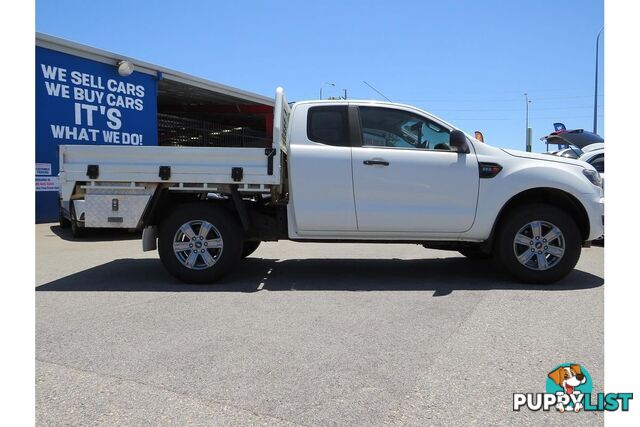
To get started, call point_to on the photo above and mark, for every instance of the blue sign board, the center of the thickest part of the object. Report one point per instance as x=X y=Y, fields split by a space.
x=80 y=101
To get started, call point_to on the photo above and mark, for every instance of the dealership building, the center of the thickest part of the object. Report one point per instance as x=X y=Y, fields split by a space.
x=89 y=96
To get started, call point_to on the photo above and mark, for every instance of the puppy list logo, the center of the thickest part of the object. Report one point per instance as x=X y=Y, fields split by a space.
x=569 y=389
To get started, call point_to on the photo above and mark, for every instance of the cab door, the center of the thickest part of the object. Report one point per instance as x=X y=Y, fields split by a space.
x=407 y=178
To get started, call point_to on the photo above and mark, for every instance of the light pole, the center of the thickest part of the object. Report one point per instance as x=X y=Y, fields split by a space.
x=325 y=84
x=526 y=125
x=595 y=98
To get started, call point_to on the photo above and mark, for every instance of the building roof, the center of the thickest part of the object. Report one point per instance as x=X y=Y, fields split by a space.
x=172 y=84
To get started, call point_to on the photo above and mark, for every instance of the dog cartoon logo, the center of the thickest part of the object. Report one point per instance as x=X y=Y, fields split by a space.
x=570 y=379
x=570 y=389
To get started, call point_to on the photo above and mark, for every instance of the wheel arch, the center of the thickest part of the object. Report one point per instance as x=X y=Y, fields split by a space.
x=551 y=196
x=163 y=202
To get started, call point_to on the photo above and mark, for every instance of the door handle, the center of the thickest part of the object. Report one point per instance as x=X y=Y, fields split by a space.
x=376 y=162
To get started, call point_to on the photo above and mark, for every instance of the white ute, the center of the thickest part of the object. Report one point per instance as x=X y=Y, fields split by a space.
x=340 y=171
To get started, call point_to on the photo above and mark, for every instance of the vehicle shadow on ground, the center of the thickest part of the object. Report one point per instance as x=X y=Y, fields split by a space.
x=441 y=275
x=96 y=234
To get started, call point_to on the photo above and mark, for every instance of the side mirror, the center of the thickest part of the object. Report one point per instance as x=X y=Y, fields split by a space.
x=458 y=141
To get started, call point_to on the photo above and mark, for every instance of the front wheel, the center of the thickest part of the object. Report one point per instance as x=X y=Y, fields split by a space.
x=538 y=243
x=199 y=243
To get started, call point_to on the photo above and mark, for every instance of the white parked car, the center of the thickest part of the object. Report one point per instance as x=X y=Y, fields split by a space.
x=340 y=171
x=571 y=152
x=594 y=155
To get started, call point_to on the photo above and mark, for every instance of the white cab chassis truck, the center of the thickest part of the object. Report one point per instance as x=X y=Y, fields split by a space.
x=339 y=171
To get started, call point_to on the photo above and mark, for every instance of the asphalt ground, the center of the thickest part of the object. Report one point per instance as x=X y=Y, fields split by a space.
x=305 y=334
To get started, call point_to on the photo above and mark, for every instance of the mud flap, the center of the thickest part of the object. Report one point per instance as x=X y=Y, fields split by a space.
x=150 y=238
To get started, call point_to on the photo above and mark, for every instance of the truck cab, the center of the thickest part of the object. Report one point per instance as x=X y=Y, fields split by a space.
x=390 y=172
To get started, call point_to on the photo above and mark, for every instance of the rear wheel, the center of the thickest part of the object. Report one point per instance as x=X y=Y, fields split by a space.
x=77 y=230
x=62 y=220
x=249 y=248
x=199 y=243
x=538 y=243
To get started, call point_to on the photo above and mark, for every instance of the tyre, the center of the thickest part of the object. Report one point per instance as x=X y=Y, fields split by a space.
x=538 y=243
x=474 y=253
x=62 y=220
x=199 y=243
x=249 y=248
x=76 y=230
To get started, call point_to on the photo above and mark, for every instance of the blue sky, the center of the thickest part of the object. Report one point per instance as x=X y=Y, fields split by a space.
x=469 y=62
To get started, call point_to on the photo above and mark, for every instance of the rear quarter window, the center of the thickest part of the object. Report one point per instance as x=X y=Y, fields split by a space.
x=328 y=125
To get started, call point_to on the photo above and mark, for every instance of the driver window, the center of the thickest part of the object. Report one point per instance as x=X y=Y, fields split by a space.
x=386 y=127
